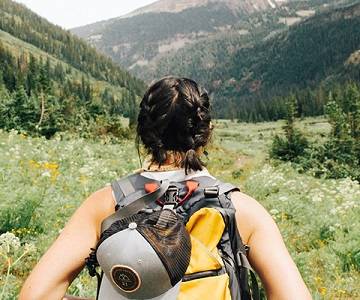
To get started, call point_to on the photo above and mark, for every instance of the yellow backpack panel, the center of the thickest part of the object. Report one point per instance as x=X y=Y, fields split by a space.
x=206 y=227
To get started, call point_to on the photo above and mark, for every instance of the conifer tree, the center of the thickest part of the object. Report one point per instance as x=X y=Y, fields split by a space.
x=6 y=107
x=293 y=145
x=32 y=75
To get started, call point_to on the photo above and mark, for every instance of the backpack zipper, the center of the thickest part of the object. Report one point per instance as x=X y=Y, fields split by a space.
x=203 y=274
x=207 y=273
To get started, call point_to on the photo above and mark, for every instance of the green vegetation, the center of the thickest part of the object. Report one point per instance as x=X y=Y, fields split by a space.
x=40 y=98
x=250 y=63
x=62 y=134
x=43 y=181
x=339 y=155
x=51 y=81
x=27 y=26
x=293 y=144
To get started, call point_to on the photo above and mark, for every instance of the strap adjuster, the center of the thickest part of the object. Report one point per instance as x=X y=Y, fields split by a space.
x=211 y=191
x=242 y=260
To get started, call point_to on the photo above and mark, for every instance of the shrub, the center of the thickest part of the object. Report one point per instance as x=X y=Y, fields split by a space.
x=293 y=145
x=339 y=157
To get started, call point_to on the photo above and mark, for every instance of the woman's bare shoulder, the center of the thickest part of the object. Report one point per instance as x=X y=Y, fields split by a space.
x=101 y=202
x=102 y=198
x=104 y=193
x=250 y=214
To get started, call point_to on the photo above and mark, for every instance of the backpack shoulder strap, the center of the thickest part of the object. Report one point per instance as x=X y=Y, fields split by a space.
x=240 y=250
x=122 y=188
x=225 y=188
x=135 y=201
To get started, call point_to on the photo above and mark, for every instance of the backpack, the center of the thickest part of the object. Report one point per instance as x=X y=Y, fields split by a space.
x=218 y=268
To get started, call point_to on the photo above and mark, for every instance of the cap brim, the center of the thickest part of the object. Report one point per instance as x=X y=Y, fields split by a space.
x=107 y=292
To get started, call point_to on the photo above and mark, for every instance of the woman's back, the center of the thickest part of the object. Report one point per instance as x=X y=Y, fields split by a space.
x=174 y=128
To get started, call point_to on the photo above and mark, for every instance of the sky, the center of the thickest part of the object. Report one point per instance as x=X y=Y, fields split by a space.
x=72 y=13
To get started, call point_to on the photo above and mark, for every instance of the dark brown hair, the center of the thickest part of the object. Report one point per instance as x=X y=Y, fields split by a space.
x=175 y=116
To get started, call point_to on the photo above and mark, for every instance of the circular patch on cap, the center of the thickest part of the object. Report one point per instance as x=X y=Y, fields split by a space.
x=126 y=278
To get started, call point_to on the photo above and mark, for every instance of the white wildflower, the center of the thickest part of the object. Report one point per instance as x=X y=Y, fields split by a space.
x=274 y=211
x=317 y=198
x=29 y=247
x=46 y=174
x=9 y=241
x=283 y=198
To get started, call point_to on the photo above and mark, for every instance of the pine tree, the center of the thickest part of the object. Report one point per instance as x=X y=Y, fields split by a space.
x=32 y=75
x=133 y=110
x=293 y=145
x=343 y=114
x=6 y=108
x=59 y=72
x=44 y=77
x=20 y=100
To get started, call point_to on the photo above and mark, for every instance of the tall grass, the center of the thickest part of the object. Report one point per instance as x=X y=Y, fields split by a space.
x=43 y=181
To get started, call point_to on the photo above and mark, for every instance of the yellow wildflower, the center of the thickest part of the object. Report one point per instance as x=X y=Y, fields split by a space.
x=322 y=290
x=34 y=164
x=50 y=166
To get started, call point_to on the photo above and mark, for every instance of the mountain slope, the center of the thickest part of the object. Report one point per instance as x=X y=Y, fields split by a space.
x=53 y=81
x=140 y=39
x=322 y=49
x=151 y=32
x=22 y=23
x=175 y=6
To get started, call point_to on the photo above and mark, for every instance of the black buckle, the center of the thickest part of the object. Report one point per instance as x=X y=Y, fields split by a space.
x=211 y=192
x=171 y=197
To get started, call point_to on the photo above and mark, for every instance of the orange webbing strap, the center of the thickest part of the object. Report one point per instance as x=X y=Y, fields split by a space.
x=151 y=187
x=191 y=187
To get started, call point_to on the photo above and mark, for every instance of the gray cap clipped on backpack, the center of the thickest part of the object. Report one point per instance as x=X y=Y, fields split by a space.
x=144 y=256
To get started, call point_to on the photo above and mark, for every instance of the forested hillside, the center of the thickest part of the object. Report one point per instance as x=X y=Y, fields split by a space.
x=140 y=39
x=249 y=60
x=250 y=82
x=52 y=81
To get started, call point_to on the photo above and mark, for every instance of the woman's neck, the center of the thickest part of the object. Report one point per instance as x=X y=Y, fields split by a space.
x=173 y=162
x=163 y=167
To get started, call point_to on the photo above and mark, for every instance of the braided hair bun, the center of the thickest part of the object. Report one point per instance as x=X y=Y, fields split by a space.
x=175 y=116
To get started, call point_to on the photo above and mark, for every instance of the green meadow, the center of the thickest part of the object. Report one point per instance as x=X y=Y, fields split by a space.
x=43 y=181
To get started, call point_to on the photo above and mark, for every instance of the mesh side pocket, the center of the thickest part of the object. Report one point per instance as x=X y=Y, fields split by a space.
x=170 y=240
x=165 y=231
